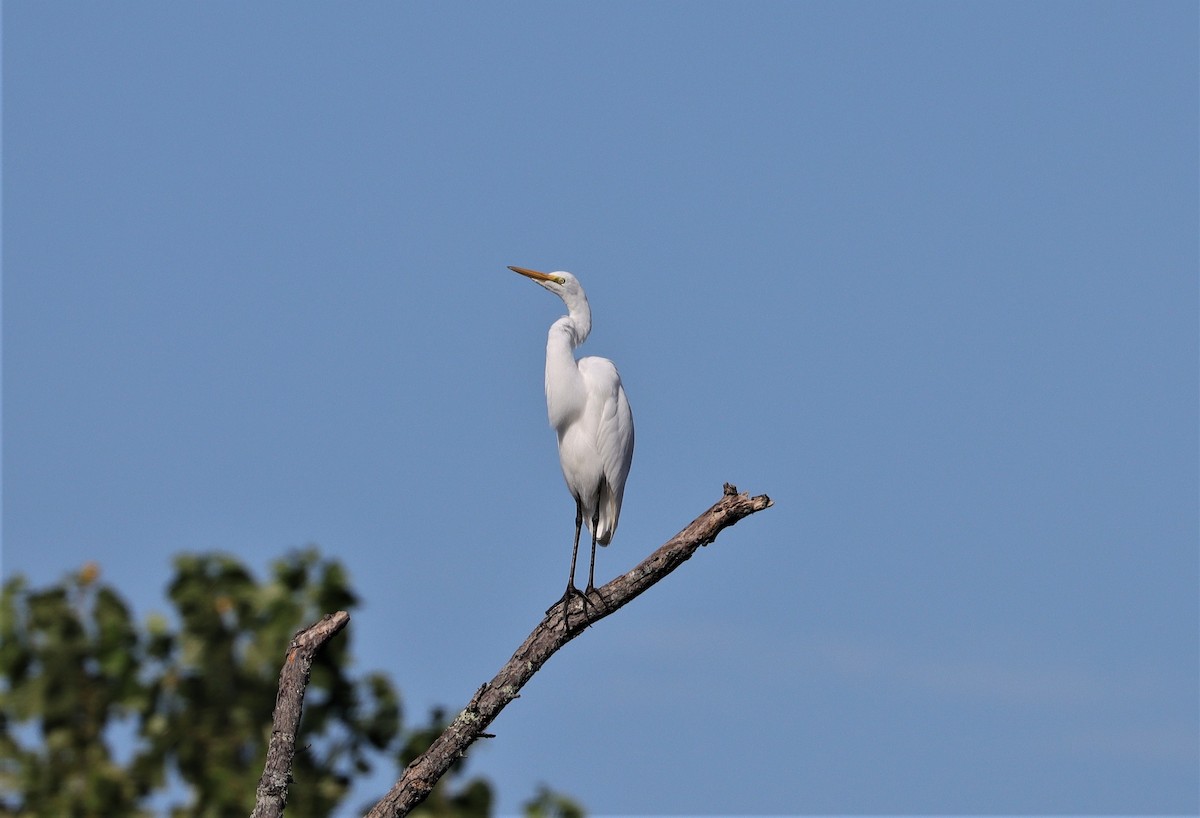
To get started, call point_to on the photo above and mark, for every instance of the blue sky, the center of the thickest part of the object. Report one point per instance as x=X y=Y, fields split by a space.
x=924 y=273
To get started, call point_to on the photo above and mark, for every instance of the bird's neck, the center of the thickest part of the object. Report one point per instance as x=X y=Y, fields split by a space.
x=577 y=323
x=564 y=385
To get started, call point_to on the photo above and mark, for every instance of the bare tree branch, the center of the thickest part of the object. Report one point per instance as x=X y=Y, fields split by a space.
x=550 y=635
x=271 y=796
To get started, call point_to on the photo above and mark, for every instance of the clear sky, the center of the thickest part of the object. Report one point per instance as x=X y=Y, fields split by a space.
x=924 y=273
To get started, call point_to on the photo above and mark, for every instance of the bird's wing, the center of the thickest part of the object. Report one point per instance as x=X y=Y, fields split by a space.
x=614 y=435
x=616 y=441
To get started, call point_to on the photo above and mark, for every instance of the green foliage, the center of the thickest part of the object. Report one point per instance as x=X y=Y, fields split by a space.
x=197 y=696
x=550 y=804
x=218 y=682
x=74 y=675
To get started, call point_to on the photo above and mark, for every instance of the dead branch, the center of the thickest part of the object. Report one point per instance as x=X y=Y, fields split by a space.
x=271 y=796
x=551 y=634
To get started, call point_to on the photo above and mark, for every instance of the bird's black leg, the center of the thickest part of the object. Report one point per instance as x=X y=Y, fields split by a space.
x=591 y=566
x=571 y=591
x=595 y=527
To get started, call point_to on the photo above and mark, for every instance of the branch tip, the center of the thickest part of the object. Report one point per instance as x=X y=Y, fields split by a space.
x=272 y=792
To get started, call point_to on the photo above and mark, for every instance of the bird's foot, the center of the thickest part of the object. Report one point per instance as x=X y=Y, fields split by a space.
x=565 y=602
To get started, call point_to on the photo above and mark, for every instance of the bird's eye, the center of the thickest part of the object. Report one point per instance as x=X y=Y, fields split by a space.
x=560 y=280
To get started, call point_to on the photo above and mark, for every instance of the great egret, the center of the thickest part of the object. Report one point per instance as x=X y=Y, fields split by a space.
x=589 y=411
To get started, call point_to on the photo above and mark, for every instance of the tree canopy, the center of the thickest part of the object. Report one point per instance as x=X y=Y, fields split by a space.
x=193 y=692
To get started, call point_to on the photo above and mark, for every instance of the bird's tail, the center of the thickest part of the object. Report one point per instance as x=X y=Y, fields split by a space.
x=610 y=513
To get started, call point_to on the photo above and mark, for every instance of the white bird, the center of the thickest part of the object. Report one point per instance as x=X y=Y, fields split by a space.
x=589 y=411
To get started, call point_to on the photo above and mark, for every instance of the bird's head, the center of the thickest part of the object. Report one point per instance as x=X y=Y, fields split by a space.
x=566 y=287
x=561 y=283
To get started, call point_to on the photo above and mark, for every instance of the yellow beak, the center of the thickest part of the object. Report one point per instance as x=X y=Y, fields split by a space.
x=535 y=275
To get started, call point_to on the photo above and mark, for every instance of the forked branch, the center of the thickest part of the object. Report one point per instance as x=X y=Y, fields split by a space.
x=551 y=634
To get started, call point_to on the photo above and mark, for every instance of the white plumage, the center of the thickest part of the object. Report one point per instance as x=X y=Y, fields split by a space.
x=588 y=410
